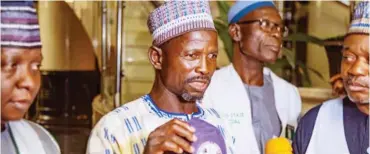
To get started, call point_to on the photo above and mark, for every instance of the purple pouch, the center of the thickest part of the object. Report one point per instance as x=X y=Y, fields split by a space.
x=210 y=140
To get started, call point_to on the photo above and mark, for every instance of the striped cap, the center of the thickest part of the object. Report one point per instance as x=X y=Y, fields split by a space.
x=19 y=25
x=175 y=18
x=361 y=20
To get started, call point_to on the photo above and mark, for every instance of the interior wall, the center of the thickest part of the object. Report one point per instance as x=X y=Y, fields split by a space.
x=64 y=39
x=139 y=73
x=326 y=19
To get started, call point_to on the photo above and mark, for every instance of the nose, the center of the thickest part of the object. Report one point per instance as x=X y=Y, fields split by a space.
x=26 y=80
x=359 y=68
x=203 y=67
x=276 y=33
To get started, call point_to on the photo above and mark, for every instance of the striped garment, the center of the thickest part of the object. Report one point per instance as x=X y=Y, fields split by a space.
x=125 y=129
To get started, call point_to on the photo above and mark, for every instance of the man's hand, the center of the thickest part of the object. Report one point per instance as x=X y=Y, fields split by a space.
x=174 y=136
x=336 y=82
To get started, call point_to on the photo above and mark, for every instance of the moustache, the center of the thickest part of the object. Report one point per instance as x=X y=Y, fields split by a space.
x=198 y=78
x=360 y=81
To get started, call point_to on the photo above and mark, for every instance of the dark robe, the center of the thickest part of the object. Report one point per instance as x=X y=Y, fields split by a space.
x=356 y=127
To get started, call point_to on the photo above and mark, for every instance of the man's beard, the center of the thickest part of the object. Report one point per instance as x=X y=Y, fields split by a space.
x=188 y=97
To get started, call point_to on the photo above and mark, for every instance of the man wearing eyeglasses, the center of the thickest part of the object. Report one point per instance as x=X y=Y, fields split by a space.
x=257 y=103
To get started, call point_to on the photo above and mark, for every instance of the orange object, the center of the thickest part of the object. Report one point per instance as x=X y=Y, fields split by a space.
x=278 y=145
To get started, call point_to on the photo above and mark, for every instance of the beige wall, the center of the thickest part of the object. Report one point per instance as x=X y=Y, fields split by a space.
x=66 y=45
x=326 y=19
x=139 y=73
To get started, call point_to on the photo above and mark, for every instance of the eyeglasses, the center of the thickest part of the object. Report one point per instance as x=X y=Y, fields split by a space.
x=269 y=26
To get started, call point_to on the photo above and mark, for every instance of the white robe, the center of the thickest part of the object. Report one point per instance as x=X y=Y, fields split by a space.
x=227 y=94
x=328 y=133
x=30 y=138
x=125 y=129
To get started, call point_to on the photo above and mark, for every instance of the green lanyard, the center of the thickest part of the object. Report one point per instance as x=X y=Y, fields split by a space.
x=13 y=140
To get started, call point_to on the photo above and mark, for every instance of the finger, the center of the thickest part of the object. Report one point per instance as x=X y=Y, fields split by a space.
x=182 y=143
x=183 y=132
x=338 y=86
x=335 y=77
x=184 y=124
x=169 y=145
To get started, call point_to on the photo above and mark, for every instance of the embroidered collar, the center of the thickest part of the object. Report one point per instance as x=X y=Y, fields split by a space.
x=164 y=114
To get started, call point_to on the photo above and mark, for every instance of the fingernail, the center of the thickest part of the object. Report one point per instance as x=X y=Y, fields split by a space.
x=191 y=149
x=192 y=129
x=194 y=138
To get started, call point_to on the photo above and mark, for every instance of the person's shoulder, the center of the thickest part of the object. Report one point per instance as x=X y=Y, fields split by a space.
x=305 y=129
x=38 y=128
x=211 y=112
x=310 y=116
x=45 y=136
x=115 y=118
x=220 y=80
x=223 y=71
x=132 y=107
x=334 y=101
x=275 y=77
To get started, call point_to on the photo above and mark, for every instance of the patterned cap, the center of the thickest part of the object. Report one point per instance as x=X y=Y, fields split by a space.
x=241 y=8
x=175 y=18
x=19 y=25
x=361 y=21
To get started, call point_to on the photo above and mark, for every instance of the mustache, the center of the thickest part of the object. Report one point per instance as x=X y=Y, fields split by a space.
x=361 y=81
x=197 y=78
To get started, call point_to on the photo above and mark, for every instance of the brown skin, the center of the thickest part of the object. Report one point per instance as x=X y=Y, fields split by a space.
x=253 y=47
x=183 y=69
x=337 y=85
x=20 y=81
x=355 y=70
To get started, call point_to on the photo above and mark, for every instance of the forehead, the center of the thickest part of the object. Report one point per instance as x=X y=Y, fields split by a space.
x=20 y=52
x=201 y=35
x=357 y=43
x=268 y=12
x=193 y=38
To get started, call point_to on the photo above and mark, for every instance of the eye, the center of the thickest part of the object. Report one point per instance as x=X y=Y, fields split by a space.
x=191 y=56
x=9 y=67
x=213 y=56
x=264 y=23
x=35 y=66
x=349 y=58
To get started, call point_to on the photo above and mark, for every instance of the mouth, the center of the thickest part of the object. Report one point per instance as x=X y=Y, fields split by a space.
x=274 y=48
x=354 y=87
x=21 y=104
x=200 y=86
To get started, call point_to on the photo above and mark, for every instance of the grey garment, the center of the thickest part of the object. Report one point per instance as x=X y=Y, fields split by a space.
x=7 y=146
x=6 y=143
x=265 y=119
x=46 y=139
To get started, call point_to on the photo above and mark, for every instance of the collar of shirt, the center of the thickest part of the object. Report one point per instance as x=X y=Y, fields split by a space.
x=185 y=117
